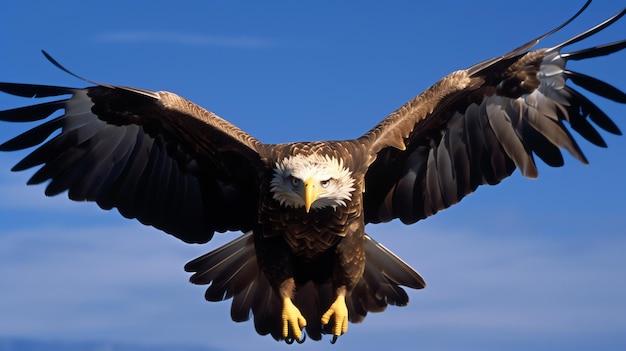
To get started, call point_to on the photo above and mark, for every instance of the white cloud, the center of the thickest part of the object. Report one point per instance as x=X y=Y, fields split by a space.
x=181 y=38
x=513 y=288
x=495 y=274
x=97 y=280
x=31 y=197
x=126 y=283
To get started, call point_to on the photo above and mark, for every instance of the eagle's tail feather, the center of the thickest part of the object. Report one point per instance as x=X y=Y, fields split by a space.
x=381 y=283
x=232 y=271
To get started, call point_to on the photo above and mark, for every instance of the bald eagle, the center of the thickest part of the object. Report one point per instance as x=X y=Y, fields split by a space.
x=304 y=261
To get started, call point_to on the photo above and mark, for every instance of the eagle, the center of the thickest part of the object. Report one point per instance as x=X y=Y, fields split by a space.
x=304 y=264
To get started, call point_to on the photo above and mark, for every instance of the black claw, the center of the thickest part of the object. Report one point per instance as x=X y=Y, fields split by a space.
x=334 y=340
x=290 y=339
x=303 y=338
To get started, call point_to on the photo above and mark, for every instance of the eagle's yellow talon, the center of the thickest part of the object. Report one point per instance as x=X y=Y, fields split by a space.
x=339 y=311
x=292 y=320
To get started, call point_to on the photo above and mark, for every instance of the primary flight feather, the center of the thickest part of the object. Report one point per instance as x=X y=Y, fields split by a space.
x=304 y=260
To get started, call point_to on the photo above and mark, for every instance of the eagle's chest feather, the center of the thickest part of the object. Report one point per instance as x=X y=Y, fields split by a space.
x=310 y=234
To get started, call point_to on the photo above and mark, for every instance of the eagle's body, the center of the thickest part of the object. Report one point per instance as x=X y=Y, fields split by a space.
x=325 y=244
x=305 y=259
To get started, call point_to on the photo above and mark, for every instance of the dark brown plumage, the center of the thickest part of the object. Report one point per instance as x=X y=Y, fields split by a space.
x=303 y=206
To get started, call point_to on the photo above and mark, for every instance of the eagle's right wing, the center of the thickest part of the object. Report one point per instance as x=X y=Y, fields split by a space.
x=476 y=126
x=153 y=155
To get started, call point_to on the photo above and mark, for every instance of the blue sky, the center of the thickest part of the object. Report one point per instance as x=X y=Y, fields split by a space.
x=528 y=264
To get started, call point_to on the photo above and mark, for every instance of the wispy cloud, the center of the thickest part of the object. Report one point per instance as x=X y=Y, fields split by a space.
x=182 y=38
x=93 y=279
x=126 y=282
x=513 y=287
x=32 y=197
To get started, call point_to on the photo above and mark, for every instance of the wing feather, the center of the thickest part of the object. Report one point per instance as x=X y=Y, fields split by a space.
x=585 y=107
x=153 y=155
x=447 y=183
x=477 y=126
x=460 y=175
x=500 y=119
x=596 y=86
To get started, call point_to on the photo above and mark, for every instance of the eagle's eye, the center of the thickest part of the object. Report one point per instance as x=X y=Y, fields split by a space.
x=295 y=181
x=325 y=183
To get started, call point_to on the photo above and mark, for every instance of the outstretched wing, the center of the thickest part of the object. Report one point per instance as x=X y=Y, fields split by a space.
x=476 y=126
x=153 y=155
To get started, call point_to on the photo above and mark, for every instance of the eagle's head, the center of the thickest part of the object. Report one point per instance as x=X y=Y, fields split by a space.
x=312 y=181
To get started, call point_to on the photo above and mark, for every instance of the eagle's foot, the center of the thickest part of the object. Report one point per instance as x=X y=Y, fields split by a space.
x=293 y=322
x=339 y=311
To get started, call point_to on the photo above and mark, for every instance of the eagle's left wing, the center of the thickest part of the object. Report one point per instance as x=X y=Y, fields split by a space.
x=154 y=156
x=476 y=126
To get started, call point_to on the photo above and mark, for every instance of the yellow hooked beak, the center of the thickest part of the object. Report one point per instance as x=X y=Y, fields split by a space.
x=311 y=193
